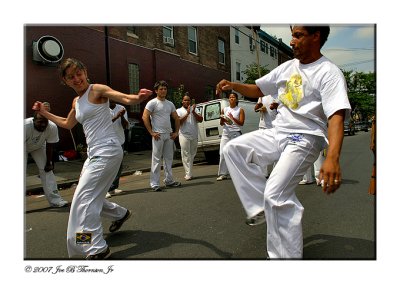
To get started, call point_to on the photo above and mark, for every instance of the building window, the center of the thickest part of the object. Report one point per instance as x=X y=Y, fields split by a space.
x=221 y=51
x=251 y=43
x=168 y=35
x=237 y=71
x=133 y=73
x=263 y=46
x=236 y=36
x=272 y=51
x=192 y=36
x=209 y=93
x=132 y=31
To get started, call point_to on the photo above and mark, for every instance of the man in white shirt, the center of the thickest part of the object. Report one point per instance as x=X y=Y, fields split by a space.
x=156 y=119
x=188 y=134
x=40 y=136
x=312 y=92
x=120 y=123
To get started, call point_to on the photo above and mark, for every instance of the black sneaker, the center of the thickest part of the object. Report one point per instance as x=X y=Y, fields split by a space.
x=174 y=184
x=256 y=220
x=116 y=225
x=102 y=255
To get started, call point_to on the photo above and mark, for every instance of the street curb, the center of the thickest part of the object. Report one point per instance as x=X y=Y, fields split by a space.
x=68 y=183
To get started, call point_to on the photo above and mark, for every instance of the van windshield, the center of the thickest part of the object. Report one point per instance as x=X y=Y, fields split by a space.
x=212 y=111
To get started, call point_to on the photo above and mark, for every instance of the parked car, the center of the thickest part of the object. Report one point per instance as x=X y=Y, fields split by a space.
x=349 y=128
x=210 y=131
x=364 y=126
x=137 y=137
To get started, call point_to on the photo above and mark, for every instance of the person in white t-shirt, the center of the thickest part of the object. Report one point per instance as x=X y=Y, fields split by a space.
x=157 y=120
x=311 y=91
x=188 y=133
x=232 y=120
x=120 y=123
x=40 y=136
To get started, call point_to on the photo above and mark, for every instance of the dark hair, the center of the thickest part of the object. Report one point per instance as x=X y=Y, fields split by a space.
x=323 y=31
x=161 y=83
x=236 y=96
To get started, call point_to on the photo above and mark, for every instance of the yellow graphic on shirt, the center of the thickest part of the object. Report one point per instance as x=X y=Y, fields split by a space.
x=293 y=92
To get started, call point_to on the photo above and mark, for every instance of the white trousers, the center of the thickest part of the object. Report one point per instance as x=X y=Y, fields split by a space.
x=48 y=179
x=188 y=152
x=89 y=204
x=225 y=138
x=246 y=158
x=163 y=151
x=313 y=171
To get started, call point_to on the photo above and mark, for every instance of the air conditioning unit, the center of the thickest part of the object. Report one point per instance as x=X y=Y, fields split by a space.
x=169 y=40
x=47 y=50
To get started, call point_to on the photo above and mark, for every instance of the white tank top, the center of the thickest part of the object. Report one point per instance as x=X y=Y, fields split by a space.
x=96 y=121
x=236 y=114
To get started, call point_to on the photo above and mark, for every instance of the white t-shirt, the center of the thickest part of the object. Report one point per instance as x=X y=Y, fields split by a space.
x=119 y=129
x=308 y=95
x=35 y=139
x=189 y=128
x=160 y=115
x=266 y=117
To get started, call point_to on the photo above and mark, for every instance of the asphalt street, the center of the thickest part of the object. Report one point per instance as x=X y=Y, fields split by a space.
x=204 y=219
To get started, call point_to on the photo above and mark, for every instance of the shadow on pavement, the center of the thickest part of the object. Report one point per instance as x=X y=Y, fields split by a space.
x=339 y=248
x=144 y=242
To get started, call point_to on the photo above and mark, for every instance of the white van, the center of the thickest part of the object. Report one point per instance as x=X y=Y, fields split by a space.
x=210 y=131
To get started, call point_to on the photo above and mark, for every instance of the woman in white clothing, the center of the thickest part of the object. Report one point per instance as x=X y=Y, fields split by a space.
x=91 y=109
x=232 y=119
x=188 y=132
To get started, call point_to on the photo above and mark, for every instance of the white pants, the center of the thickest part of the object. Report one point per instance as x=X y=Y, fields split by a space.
x=163 y=150
x=246 y=158
x=89 y=204
x=48 y=179
x=188 y=152
x=225 y=138
x=313 y=171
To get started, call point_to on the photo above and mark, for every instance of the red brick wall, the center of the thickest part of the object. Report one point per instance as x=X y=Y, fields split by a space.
x=88 y=44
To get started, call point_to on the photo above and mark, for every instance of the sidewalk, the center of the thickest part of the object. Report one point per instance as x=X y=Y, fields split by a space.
x=67 y=173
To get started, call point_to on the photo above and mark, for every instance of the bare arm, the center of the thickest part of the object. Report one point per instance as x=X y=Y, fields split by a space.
x=184 y=118
x=330 y=171
x=147 y=124
x=241 y=119
x=198 y=117
x=65 y=122
x=175 y=116
x=248 y=90
x=127 y=99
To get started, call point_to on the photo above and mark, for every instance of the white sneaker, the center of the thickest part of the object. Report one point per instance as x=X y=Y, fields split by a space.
x=305 y=182
x=108 y=195
x=222 y=177
x=62 y=203
x=116 y=191
x=188 y=178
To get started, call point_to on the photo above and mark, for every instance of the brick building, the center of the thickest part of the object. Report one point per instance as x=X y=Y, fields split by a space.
x=126 y=58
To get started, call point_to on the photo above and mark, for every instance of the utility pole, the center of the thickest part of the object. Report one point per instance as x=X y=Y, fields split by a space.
x=257 y=51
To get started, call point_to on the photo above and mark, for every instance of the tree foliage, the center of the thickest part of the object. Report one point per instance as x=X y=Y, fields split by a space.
x=252 y=72
x=175 y=95
x=361 y=88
